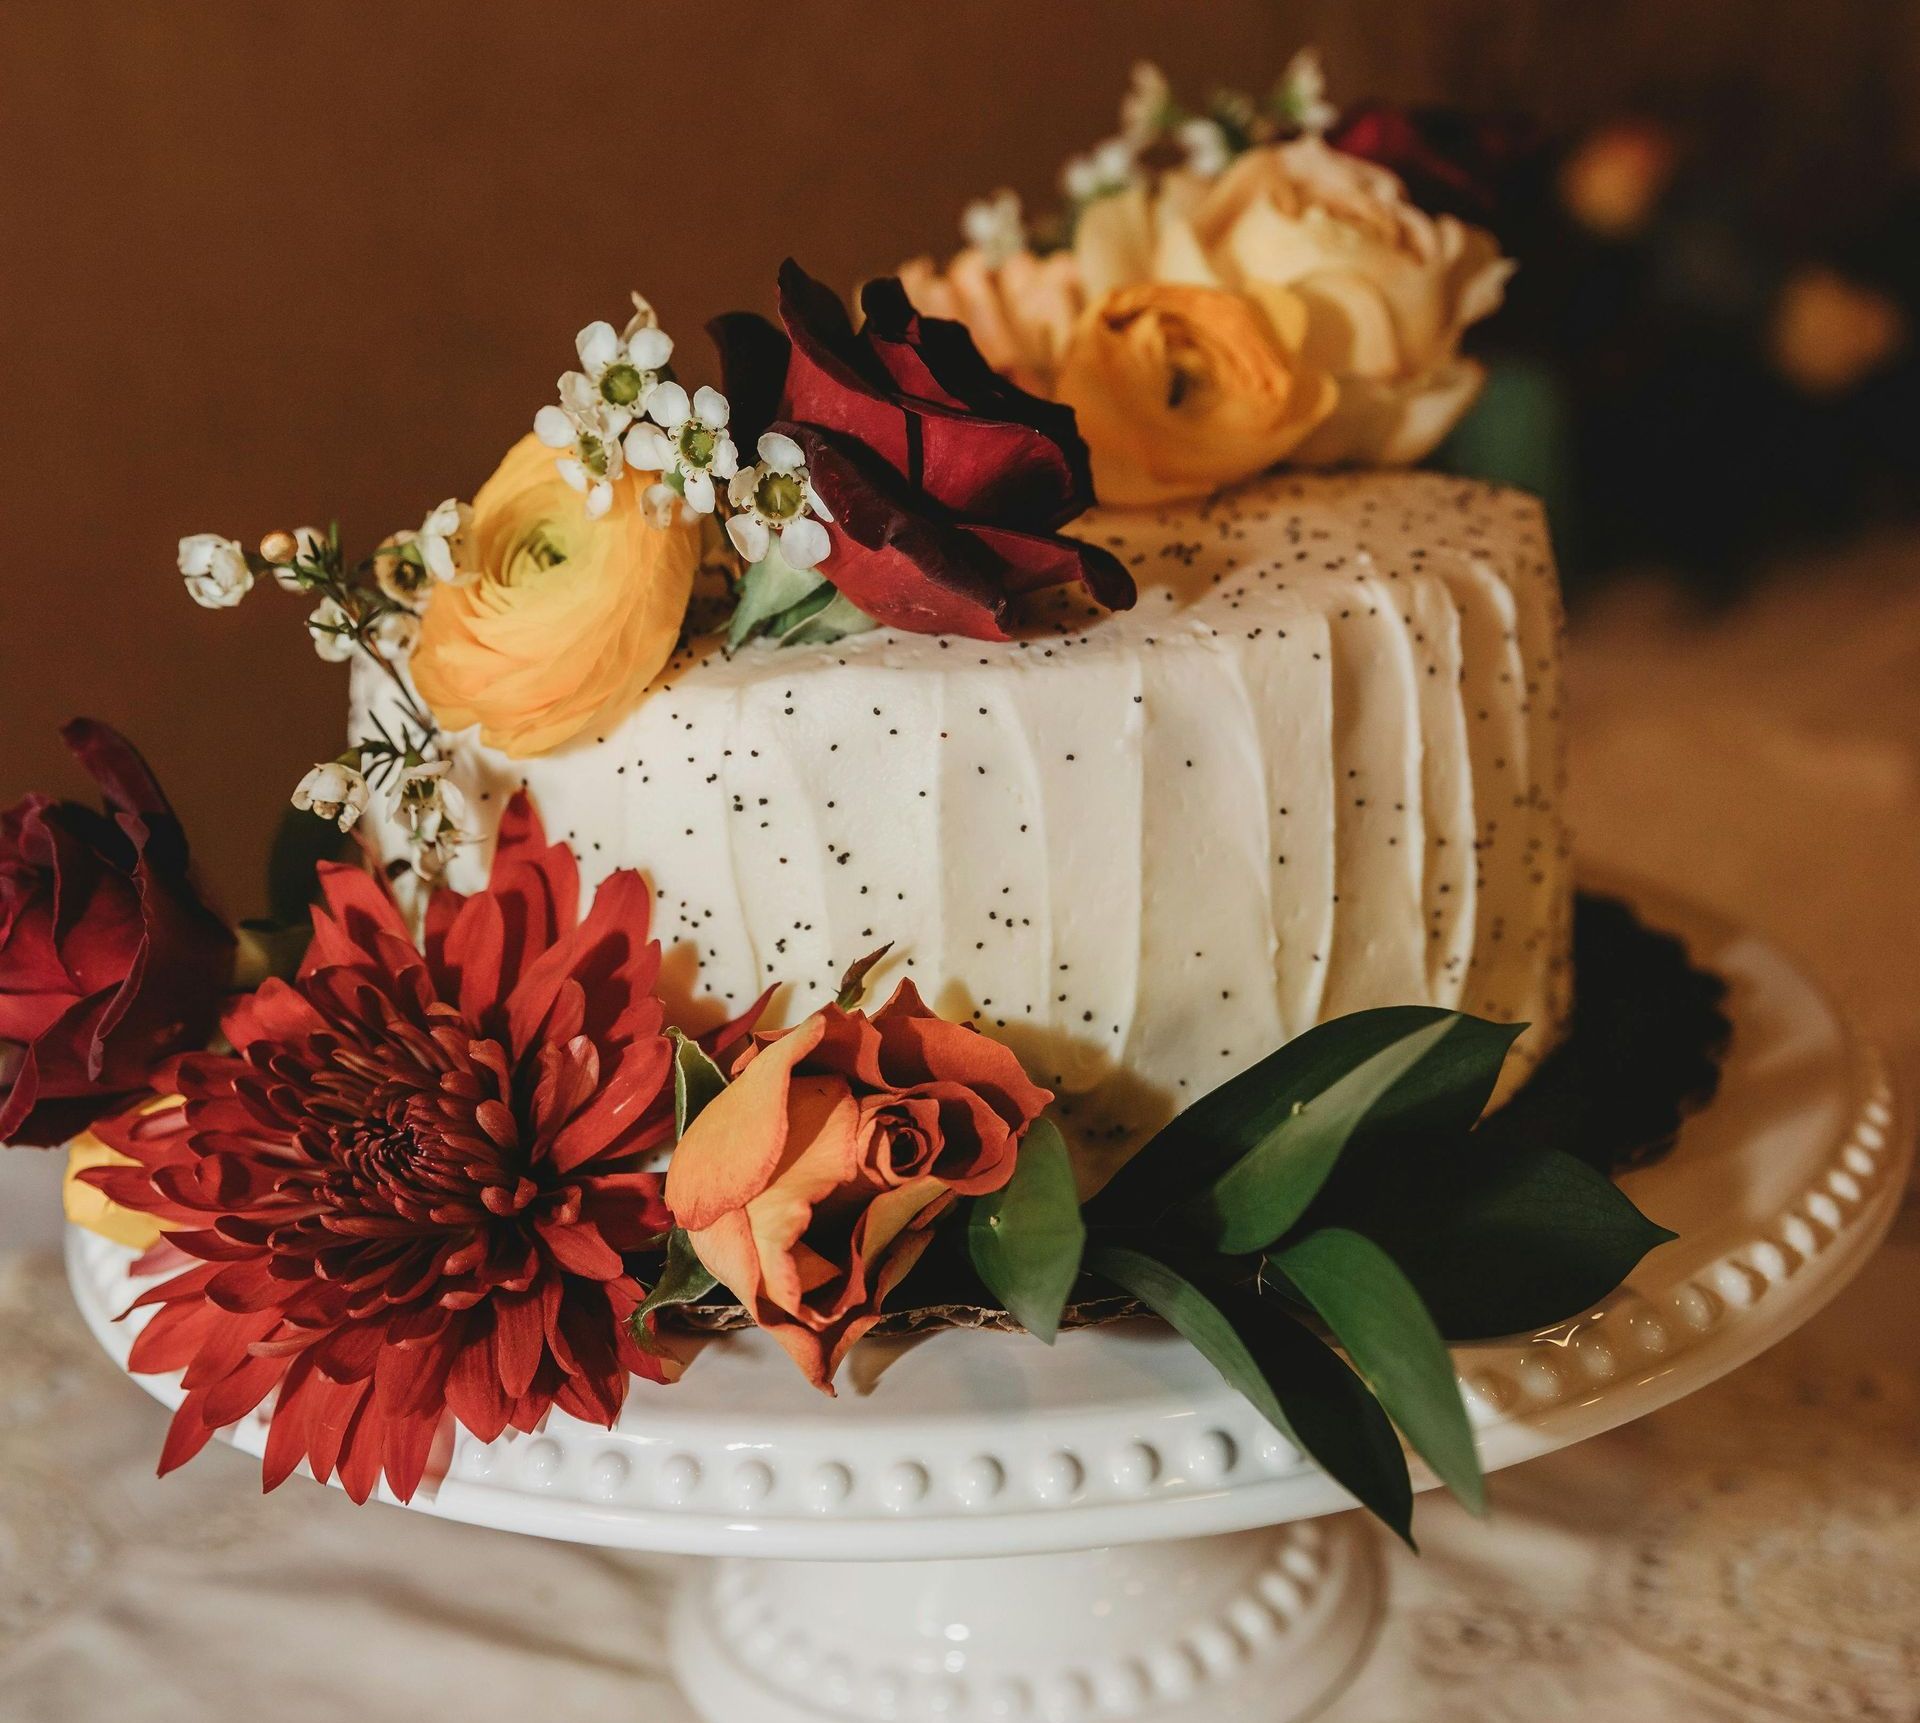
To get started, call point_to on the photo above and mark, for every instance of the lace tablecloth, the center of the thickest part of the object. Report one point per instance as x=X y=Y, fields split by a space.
x=1750 y=1553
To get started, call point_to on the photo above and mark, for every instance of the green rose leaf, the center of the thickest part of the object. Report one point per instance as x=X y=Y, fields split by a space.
x=696 y=1080
x=1295 y=1380
x=1376 y=1314
x=1501 y=1241
x=1026 y=1238
x=1267 y=1190
x=683 y=1280
x=832 y=621
x=769 y=588
x=1443 y=1090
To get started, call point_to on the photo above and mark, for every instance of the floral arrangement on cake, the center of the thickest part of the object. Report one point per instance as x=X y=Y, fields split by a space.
x=398 y=1162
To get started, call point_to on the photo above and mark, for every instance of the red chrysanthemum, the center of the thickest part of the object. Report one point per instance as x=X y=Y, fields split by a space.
x=413 y=1187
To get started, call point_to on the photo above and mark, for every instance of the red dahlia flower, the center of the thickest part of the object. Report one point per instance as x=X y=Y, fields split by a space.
x=109 y=961
x=946 y=483
x=413 y=1185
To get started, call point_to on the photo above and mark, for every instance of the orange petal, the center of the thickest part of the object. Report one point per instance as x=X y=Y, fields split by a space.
x=732 y=1150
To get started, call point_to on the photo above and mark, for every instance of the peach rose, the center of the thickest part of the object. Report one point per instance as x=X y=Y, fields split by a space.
x=1388 y=289
x=568 y=618
x=810 y=1184
x=1179 y=390
x=1020 y=312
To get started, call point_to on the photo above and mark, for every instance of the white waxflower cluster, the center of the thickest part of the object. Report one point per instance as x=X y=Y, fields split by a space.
x=349 y=615
x=1301 y=95
x=602 y=399
x=996 y=226
x=621 y=411
x=1208 y=141
x=429 y=807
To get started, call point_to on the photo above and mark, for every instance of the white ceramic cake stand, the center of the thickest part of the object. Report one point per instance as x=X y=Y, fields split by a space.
x=1143 y=1545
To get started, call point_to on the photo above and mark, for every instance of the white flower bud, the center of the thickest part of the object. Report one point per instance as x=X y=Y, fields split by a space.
x=215 y=570
x=332 y=631
x=397 y=632
x=335 y=791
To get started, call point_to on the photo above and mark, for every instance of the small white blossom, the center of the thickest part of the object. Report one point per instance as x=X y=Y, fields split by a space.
x=620 y=369
x=1303 y=93
x=433 y=812
x=994 y=226
x=1146 y=105
x=1207 y=146
x=332 y=631
x=401 y=572
x=335 y=791
x=583 y=425
x=777 y=496
x=396 y=632
x=1109 y=166
x=442 y=541
x=215 y=570
x=687 y=437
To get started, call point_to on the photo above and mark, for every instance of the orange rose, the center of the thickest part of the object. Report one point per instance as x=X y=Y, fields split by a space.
x=810 y=1184
x=1179 y=390
x=568 y=618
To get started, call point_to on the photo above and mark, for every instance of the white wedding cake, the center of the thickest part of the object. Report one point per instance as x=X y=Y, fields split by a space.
x=1316 y=768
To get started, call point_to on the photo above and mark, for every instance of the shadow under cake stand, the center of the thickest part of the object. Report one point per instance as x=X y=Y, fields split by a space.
x=1138 y=1542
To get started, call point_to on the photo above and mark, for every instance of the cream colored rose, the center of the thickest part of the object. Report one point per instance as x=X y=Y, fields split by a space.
x=1388 y=289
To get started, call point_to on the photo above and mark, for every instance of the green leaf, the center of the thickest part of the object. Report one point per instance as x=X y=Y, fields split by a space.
x=1503 y=1241
x=1259 y=1197
x=790 y=624
x=684 y=1279
x=770 y=586
x=1446 y=1090
x=1292 y=1377
x=301 y=842
x=1376 y=1314
x=1027 y=1237
x=696 y=1080
x=835 y=620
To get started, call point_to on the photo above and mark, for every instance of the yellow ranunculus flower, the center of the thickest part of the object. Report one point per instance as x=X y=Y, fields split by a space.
x=1179 y=390
x=568 y=618
x=1388 y=289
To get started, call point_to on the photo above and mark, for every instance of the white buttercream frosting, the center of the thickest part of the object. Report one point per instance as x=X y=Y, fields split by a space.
x=1316 y=768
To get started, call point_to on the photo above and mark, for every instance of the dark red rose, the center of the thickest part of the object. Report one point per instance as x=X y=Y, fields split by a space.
x=109 y=960
x=413 y=1189
x=1452 y=163
x=947 y=484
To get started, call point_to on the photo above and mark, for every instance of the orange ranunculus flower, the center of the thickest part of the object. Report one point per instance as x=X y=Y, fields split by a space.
x=1179 y=390
x=567 y=618
x=810 y=1184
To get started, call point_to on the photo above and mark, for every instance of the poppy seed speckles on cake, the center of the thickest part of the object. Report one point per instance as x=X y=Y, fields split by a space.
x=1046 y=823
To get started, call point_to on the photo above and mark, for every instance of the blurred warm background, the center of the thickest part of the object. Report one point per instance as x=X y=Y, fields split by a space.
x=267 y=263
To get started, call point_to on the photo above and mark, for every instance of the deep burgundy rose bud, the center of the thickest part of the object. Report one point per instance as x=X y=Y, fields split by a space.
x=947 y=484
x=1452 y=163
x=109 y=960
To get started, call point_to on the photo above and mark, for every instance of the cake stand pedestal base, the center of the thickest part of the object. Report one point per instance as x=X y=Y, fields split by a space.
x=1263 y=1625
